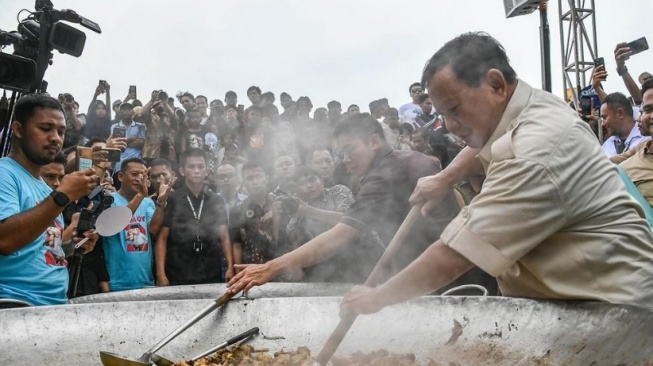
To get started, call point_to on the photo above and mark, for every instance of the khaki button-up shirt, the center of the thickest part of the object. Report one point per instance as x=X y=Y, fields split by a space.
x=553 y=219
x=638 y=164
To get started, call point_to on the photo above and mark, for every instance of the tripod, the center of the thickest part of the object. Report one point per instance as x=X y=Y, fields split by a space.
x=75 y=269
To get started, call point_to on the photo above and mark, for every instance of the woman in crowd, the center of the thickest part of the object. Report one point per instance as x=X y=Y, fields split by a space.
x=98 y=118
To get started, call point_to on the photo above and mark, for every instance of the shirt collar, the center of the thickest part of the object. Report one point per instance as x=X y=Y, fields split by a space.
x=517 y=102
x=190 y=194
x=634 y=133
x=648 y=147
x=384 y=150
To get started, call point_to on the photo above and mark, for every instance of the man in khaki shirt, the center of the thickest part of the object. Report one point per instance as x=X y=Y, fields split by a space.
x=638 y=162
x=553 y=219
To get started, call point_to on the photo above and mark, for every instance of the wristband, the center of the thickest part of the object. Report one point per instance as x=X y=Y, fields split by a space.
x=622 y=70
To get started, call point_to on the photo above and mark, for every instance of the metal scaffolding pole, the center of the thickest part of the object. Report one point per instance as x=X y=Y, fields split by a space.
x=578 y=44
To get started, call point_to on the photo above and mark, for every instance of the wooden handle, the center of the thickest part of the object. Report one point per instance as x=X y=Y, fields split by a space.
x=391 y=250
x=375 y=276
x=224 y=298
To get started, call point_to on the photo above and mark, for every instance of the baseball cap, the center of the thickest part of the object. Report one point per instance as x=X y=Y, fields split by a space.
x=126 y=105
x=117 y=103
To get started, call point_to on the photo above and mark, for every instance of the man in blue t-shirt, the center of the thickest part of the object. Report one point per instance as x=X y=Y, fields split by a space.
x=129 y=253
x=133 y=131
x=32 y=264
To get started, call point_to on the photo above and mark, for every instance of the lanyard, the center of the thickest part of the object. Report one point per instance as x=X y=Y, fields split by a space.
x=619 y=144
x=197 y=217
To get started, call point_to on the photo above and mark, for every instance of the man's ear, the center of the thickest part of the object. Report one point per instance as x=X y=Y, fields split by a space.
x=17 y=129
x=496 y=80
x=376 y=142
x=621 y=112
x=181 y=171
x=120 y=176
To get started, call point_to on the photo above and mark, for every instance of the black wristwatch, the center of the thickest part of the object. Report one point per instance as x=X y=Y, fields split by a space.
x=60 y=198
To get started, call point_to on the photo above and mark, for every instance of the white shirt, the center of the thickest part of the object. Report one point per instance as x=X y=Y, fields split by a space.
x=633 y=139
x=409 y=111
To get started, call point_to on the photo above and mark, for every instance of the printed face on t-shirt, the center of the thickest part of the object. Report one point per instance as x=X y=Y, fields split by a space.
x=136 y=237
x=55 y=255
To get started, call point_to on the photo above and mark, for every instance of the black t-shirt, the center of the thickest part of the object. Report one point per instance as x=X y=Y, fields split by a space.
x=252 y=227
x=188 y=260
x=382 y=202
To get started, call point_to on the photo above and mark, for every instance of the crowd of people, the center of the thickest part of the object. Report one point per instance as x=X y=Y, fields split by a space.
x=221 y=192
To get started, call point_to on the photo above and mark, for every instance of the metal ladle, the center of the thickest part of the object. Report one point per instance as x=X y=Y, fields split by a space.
x=112 y=359
x=162 y=361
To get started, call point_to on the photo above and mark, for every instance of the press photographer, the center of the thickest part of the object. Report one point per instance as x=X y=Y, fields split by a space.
x=75 y=121
x=162 y=126
x=32 y=264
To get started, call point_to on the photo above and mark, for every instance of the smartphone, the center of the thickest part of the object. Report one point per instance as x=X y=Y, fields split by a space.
x=84 y=158
x=241 y=109
x=103 y=83
x=113 y=155
x=638 y=45
x=586 y=106
x=132 y=91
x=119 y=132
x=599 y=62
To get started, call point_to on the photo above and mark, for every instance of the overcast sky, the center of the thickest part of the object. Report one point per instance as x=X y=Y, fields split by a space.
x=350 y=51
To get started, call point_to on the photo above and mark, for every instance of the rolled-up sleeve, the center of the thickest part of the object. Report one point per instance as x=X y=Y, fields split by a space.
x=519 y=207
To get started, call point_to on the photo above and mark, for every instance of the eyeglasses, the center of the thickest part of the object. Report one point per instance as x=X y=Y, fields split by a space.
x=224 y=176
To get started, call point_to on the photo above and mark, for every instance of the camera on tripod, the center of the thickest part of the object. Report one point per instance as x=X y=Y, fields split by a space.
x=98 y=200
x=40 y=33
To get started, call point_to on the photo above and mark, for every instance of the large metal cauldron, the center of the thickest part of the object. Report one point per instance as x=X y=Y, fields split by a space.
x=211 y=291
x=451 y=330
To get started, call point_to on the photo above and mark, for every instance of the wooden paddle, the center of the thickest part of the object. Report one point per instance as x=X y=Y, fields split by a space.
x=373 y=279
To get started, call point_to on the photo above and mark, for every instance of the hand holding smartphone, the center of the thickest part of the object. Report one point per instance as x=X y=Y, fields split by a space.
x=599 y=70
x=599 y=62
x=113 y=155
x=84 y=158
x=637 y=46
x=119 y=132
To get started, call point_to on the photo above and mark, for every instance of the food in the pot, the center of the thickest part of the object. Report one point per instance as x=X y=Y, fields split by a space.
x=245 y=355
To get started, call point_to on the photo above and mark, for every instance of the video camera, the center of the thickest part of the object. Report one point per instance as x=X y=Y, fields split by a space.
x=99 y=200
x=40 y=33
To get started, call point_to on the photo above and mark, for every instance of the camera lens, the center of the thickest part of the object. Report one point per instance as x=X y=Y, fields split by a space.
x=107 y=201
